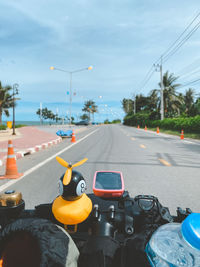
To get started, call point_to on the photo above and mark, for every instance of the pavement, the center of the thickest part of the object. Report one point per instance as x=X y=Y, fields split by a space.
x=27 y=140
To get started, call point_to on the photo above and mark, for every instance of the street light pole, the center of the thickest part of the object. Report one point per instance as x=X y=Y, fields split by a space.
x=70 y=101
x=15 y=92
x=70 y=86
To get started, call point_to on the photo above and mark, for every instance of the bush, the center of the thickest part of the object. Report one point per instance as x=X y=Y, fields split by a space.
x=107 y=121
x=188 y=124
x=141 y=119
x=116 y=121
x=20 y=125
x=3 y=127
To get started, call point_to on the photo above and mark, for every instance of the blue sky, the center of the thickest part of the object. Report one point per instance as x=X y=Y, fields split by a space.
x=120 y=39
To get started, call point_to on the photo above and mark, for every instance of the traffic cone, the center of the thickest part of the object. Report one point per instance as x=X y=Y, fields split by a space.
x=182 y=134
x=11 y=166
x=145 y=128
x=73 y=140
x=158 y=130
x=138 y=126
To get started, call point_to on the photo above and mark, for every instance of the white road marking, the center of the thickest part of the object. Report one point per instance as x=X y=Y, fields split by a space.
x=3 y=187
x=189 y=142
x=142 y=146
x=164 y=162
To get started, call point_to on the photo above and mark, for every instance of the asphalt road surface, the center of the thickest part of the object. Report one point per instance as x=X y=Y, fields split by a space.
x=151 y=163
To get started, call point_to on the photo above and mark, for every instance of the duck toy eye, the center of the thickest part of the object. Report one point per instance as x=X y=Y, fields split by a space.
x=73 y=206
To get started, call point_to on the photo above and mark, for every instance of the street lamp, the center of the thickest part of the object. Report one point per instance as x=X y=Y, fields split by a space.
x=15 y=92
x=70 y=88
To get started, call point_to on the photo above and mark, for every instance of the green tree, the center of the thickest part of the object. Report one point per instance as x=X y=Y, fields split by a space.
x=189 y=101
x=46 y=114
x=153 y=101
x=106 y=121
x=172 y=101
x=127 y=105
x=6 y=100
x=142 y=103
x=84 y=117
x=90 y=107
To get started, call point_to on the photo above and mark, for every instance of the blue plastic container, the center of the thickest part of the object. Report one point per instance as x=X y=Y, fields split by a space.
x=175 y=244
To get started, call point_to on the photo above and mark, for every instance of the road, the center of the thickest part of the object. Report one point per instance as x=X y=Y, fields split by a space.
x=151 y=163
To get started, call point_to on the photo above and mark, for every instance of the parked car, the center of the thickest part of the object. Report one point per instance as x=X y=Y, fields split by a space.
x=82 y=122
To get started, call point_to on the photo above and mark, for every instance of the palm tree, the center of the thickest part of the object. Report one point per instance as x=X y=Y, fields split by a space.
x=127 y=105
x=153 y=100
x=189 y=100
x=172 y=101
x=90 y=107
x=84 y=117
x=6 y=100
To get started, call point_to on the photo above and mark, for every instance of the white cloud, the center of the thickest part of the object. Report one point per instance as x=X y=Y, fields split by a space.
x=122 y=39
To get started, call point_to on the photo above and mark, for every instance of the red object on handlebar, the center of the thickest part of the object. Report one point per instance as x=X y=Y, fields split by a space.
x=108 y=184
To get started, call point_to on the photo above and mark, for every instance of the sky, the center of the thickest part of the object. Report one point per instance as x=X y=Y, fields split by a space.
x=121 y=39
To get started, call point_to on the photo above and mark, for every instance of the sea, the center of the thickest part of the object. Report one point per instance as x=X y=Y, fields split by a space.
x=31 y=123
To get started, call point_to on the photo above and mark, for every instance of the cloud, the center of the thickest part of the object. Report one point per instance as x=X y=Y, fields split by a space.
x=121 y=39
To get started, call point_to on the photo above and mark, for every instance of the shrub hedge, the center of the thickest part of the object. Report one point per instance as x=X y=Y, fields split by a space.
x=3 y=127
x=189 y=125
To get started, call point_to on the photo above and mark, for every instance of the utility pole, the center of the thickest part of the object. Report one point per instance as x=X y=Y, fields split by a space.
x=158 y=67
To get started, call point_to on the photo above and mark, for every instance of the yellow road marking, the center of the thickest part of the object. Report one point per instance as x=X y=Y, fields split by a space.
x=132 y=138
x=142 y=146
x=164 y=162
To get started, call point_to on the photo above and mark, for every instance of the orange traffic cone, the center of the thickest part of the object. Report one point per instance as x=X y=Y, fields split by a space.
x=73 y=140
x=138 y=126
x=158 y=130
x=11 y=166
x=145 y=128
x=182 y=134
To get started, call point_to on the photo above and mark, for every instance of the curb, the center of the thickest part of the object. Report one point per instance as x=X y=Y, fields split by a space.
x=31 y=150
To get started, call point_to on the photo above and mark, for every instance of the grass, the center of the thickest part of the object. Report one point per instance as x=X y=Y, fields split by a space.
x=20 y=125
x=172 y=132
x=4 y=127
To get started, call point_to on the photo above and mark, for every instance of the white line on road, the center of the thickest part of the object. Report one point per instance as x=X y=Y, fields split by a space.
x=3 y=187
x=142 y=146
x=164 y=162
x=189 y=142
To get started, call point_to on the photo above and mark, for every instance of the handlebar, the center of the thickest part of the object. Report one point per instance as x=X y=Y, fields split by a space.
x=123 y=217
x=111 y=223
x=110 y=217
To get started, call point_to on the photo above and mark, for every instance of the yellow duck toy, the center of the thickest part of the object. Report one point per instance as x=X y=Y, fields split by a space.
x=73 y=206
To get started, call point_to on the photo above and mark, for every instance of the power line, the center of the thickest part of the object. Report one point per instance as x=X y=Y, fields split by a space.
x=189 y=73
x=173 y=47
x=146 y=79
x=182 y=42
x=185 y=69
x=191 y=82
x=174 y=43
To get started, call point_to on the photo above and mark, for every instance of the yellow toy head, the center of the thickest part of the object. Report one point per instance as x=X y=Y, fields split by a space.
x=72 y=206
